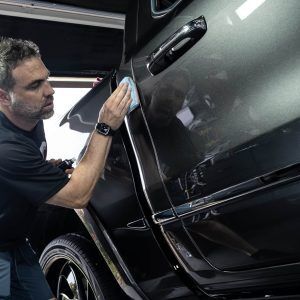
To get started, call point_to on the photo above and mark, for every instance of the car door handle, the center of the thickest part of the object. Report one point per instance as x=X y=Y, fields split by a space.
x=176 y=45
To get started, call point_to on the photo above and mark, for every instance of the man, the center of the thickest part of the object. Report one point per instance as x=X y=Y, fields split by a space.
x=26 y=178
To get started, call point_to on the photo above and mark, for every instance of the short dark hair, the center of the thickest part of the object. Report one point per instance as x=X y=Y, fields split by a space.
x=12 y=52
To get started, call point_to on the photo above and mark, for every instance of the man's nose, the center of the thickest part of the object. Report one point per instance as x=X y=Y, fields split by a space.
x=49 y=91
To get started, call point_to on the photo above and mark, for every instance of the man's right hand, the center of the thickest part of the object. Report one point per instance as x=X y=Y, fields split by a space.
x=116 y=106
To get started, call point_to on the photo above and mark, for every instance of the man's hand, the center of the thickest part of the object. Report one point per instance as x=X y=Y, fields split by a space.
x=56 y=162
x=69 y=171
x=116 y=106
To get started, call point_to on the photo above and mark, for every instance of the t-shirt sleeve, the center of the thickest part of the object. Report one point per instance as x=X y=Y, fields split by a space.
x=24 y=170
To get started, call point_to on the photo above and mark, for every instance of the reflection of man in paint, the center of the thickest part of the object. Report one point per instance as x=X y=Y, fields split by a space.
x=174 y=144
x=167 y=99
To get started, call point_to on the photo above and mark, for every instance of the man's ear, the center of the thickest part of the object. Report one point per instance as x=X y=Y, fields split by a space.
x=4 y=98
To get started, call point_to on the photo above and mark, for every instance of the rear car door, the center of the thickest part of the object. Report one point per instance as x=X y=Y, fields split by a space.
x=118 y=207
x=223 y=119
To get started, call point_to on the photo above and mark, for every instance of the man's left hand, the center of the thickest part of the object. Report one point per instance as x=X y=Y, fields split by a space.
x=56 y=162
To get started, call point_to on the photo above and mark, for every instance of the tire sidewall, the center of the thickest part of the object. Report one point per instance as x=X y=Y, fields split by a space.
x=56 y=252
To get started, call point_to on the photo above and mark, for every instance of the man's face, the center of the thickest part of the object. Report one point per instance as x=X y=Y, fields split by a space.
x=32 y=95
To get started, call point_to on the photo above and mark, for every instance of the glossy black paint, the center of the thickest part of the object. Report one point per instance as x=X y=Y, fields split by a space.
x=227 y=152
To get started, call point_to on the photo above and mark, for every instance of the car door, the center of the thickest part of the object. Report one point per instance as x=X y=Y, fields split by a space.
x=118 y=208
x=219 y=95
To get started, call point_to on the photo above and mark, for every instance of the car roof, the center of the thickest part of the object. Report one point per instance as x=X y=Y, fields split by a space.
x=76 y=37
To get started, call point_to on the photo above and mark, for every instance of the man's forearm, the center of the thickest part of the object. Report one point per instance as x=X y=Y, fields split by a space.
x=78 y=191
x=91 y=166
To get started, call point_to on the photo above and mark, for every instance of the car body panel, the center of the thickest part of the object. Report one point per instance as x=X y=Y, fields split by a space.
x=238 y=123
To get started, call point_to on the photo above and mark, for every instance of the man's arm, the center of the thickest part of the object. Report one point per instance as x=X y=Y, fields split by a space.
x=78 y=191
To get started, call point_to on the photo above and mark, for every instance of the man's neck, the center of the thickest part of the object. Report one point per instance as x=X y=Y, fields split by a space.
x=20 y=122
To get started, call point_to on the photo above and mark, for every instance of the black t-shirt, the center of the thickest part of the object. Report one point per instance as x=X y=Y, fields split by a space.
x=26 y=178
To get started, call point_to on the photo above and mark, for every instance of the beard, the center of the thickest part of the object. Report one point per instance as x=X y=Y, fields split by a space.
x=36 y=112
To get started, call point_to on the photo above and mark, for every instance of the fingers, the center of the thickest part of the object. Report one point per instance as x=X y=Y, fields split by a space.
x=116 y=96
x=119 y=99
x=125 y=109
x=123 y=93
x=121 y=89
x=126 y=98
x=126 y=105
x=54 y=162
x=69 y=171
x=116 y=106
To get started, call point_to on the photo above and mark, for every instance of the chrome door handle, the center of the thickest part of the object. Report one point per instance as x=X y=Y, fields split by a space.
x=176 y=45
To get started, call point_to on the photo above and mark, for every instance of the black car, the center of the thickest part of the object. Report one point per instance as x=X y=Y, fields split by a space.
x=200 y=198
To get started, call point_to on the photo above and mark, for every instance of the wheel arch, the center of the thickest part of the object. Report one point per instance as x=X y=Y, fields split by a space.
x=54 y=221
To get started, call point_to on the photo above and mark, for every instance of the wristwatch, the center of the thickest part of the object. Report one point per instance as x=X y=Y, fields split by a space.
x=104 y=129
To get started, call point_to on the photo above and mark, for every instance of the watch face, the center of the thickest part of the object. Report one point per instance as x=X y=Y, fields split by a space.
x=104 y=129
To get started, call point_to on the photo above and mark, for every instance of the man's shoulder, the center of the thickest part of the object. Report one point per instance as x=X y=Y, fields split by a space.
x=6 y=132
x=9 y=137
x=16 y=156
x=12 y=143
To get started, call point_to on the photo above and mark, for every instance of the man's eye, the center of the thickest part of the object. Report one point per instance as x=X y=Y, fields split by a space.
x=34 y=86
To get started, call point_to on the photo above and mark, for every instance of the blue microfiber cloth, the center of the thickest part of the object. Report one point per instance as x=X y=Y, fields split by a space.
x=134 y=93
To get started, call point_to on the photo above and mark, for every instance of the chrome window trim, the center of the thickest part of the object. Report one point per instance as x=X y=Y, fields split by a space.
x=164 y=216
x=215 y=199
x=212 y=200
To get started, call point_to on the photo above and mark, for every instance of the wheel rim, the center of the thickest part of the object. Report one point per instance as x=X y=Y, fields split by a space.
x=69 y=281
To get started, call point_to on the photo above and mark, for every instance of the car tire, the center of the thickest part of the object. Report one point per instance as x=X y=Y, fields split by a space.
x=74 y=270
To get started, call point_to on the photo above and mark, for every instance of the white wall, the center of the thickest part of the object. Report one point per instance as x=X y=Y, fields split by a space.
x=62 y=142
